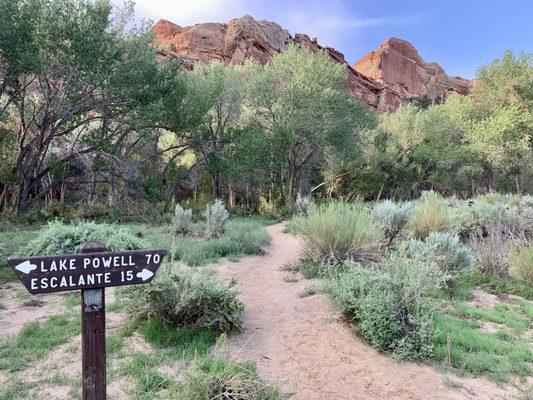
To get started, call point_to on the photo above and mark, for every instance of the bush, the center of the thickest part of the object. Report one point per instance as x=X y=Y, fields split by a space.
x=337 y=231
x=389 y=306
x=58 y=238
x=186 y=298
x=522 y=263
x=182 y=220
x=215 y=215
x=392 y=217
x=303 y=205
x=491 y=253
x=445 y=250
x=431 y=215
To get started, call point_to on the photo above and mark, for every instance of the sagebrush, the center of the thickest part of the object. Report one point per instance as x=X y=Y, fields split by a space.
x=183 y=297
x=57 y=238
x=216 y=216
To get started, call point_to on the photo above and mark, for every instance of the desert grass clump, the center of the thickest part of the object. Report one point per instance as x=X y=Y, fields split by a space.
x=182 y=220
x=219 y=378
x=216 y=216
x=303 y=205
x=389 y=306
x=521 y=261
x=392 y=217
x=338 y=231
x=452 y=257
x=431 y=215
x=182 y=297
x=57 y=238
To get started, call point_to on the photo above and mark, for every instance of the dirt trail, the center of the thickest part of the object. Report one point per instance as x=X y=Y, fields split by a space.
x=301 y=344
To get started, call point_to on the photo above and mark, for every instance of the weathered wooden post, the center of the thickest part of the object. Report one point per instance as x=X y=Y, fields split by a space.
x=93 y=356
x=91 y=271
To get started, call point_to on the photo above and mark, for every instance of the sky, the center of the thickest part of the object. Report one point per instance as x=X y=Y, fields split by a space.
x=460 y=35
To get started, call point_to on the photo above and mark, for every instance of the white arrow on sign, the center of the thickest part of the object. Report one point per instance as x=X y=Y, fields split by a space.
x=26 y=267
x=145 y=274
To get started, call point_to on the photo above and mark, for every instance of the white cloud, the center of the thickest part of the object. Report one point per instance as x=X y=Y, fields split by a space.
x=183 y=12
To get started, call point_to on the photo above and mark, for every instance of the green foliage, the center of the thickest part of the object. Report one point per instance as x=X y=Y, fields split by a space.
x=182 y=220
x=444 y=249
x=59 y=238
x=338 y=231
x=389 y=306
x=522 y=263
x=431 y=215
x=463 y=344
x=215 y=215
x=392 y=217
x=186 y=298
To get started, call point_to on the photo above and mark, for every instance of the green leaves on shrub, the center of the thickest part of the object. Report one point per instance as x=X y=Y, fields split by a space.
x=185 y=298
x=444 y=249
x=388 y=306
x=337 y=231
x=57 y=238
x=392 y=217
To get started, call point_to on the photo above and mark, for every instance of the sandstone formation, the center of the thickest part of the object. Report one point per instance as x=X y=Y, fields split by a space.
x=245 y=37
x=398 y=65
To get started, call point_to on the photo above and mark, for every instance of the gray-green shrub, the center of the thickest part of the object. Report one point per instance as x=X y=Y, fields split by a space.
x=57 y=238
x=216 y=216
x=183 y=297
x=444 y=249
x=392 y=217
x=338 y=231
x=182 y=220
x=389 y=306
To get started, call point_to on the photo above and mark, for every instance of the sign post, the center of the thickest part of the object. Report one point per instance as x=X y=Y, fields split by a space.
x=93 y=361
x=91 y=271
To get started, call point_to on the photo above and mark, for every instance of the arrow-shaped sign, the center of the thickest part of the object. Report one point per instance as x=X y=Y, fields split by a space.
x=88 y=270
x=26 y=267
x=145 y=274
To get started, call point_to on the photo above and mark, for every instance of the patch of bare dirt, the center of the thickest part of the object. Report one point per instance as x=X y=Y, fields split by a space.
x=301 y=344
x=19 y=308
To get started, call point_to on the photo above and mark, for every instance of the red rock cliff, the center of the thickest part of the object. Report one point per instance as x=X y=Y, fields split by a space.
x=398 y=65
x=245 y=37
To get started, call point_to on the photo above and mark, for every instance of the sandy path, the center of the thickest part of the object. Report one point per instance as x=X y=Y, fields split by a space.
x=300 y=343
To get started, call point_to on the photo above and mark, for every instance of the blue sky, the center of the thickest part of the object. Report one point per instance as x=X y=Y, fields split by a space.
x=459 y=35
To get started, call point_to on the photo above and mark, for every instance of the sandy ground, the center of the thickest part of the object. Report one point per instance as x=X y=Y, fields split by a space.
x=303 y=346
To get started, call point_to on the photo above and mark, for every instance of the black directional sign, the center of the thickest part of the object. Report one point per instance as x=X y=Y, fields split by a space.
x=86 y=271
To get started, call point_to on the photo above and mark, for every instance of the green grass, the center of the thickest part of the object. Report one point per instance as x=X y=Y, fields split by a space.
x=183 y=343
x=15 y=389
x=242 y=237
x=462 y=344
x=36 y=340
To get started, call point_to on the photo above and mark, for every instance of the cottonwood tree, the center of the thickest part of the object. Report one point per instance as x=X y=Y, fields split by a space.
x=78 y=90
x=301 y=100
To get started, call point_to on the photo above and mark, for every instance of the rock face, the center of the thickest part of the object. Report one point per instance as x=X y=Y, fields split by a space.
x=244 y=38
x=398 y=65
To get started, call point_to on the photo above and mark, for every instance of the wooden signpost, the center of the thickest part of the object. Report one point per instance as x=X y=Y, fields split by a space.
x=91 y=271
